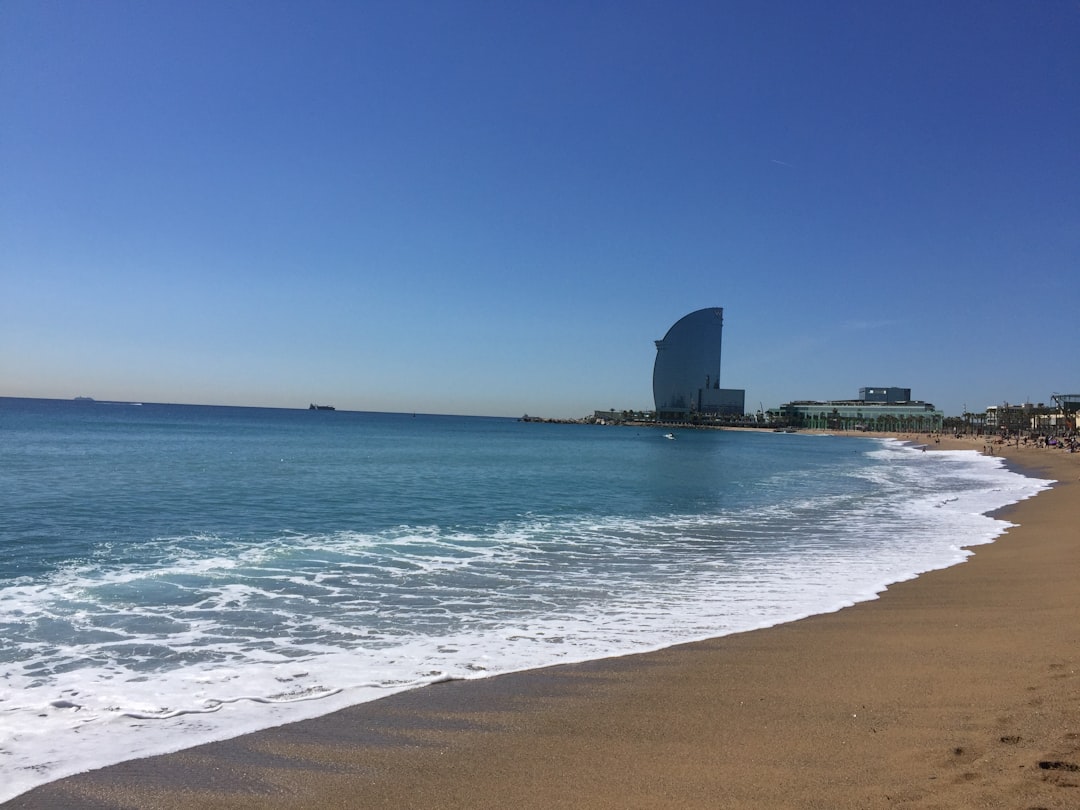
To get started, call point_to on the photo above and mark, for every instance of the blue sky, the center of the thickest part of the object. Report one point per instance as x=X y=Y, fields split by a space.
x=497 y=207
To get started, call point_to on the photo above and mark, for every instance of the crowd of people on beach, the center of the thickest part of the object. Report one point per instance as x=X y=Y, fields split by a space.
x=1069 y=442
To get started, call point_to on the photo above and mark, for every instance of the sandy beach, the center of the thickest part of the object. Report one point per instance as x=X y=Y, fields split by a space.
x=958 y=689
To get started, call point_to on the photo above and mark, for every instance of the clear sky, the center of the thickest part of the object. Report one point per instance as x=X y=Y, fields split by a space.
x=497 y=207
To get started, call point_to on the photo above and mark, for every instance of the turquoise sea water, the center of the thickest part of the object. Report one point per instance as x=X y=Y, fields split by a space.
x=175 y=574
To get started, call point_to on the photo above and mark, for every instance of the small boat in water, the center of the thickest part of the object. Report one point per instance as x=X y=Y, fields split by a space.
x=314 y=407
x=669 y=435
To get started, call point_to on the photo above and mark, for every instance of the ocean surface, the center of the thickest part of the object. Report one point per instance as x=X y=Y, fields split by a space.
x=175 y=574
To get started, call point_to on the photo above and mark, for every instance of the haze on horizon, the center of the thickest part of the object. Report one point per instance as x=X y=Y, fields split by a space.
x=485 y=208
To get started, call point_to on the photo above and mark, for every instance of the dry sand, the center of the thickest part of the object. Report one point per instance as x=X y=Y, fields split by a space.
x=955 y=690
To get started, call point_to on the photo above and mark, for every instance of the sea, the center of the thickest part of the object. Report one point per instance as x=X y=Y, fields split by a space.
x=176 y=574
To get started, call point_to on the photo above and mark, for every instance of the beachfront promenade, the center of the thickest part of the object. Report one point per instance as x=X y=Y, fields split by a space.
x=958 y=689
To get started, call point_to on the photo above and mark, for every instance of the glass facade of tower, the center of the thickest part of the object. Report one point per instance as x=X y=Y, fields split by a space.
x=686 y=374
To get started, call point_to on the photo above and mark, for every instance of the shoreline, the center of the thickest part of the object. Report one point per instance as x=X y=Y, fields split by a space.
x=948 y=690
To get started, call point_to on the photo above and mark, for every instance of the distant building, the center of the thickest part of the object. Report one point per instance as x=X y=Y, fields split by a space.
x=686 y=374
x=1068 y=405
x=885 y=409
x=613 y=417
x=1011 y=418
x=888 y=395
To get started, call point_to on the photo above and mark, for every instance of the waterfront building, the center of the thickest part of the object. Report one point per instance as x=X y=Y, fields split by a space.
x=1068 y=409
x=686 y=373
x=884 y=412
x=1009 y=418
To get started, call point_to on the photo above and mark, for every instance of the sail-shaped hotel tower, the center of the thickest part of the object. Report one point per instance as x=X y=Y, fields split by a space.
x=686 y=374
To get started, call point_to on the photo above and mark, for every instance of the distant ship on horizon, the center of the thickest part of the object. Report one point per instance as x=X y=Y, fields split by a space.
x=314 y=407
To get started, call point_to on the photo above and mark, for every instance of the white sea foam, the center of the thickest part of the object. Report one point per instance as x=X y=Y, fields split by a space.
x=210 y=639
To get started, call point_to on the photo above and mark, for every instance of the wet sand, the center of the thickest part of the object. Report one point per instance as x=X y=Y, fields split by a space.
x=957 y=689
